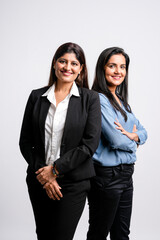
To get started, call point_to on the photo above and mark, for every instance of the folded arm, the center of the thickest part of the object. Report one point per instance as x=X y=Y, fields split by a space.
x=116 y=139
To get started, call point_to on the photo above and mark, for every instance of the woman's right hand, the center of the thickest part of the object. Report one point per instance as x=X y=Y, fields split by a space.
x=53 y=190
x=132 y=135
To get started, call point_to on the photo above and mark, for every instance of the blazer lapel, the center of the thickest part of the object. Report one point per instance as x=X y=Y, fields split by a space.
x=72 y=118
x=45 y=104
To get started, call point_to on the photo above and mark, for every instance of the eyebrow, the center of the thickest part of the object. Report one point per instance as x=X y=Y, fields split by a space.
x=116 y=64
x=61 y=58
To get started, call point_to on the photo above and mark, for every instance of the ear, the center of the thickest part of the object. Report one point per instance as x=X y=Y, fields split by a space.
x=81 y=68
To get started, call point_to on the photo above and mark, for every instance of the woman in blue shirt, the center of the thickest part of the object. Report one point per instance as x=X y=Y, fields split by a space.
x=110 y=198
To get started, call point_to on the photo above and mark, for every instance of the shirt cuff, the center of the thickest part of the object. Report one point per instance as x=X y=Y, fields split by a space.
x=141 y=138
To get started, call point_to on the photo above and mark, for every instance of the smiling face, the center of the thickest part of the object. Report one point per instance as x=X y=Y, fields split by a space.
x=67 y=68
x=115 y=71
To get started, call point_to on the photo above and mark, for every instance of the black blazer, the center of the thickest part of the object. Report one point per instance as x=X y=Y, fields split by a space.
x=80 y=137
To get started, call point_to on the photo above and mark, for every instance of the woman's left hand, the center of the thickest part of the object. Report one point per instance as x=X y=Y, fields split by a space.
x=132 y=136
x=45 y=175
x=53 y=190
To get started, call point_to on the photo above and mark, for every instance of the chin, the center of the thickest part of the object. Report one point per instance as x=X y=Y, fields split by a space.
x=67 y=81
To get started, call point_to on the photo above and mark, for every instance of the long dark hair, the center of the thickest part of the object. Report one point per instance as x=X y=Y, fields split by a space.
x=100 y=85
x=82 y=79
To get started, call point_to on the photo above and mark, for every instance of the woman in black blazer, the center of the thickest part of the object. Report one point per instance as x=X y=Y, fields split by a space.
x=60 y=132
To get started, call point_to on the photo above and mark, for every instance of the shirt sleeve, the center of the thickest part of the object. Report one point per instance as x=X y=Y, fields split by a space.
x=26 y=135
x=141 y=132
x=114 y=137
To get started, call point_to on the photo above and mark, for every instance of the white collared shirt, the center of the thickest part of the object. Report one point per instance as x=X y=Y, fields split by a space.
x=55 y=122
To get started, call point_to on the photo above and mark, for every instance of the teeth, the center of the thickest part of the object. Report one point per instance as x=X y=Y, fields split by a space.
x=67 y=73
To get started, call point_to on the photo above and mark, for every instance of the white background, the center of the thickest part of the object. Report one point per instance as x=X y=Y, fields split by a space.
x=31 y=31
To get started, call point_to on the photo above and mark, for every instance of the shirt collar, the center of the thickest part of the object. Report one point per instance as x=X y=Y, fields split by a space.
x=74 y=90
x=51 y=96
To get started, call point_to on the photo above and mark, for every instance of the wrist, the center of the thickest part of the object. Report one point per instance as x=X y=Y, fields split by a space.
x=55 y=171
x=136 y=138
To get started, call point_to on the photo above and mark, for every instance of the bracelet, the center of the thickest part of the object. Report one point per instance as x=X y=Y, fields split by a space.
x=55 y=173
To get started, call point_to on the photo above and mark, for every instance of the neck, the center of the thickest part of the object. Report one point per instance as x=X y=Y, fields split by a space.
x=63 y=87
x=112 y=90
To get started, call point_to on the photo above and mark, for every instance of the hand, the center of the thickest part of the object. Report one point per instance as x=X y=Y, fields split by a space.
x=135 y=130
x=132 y=136
x=45 y=175
x=53 y=190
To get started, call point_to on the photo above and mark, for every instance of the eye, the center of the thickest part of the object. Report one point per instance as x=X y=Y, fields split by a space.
x=74 y=64
x=111 y=66
x=123 y=67
x=62 y=61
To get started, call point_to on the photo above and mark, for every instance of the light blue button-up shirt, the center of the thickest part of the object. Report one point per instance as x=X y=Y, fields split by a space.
x=114 y=147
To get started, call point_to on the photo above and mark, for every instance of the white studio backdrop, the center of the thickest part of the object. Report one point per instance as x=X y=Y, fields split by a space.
x=31 y=31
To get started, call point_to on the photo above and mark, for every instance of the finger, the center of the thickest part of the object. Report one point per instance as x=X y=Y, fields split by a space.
x=43 y=182
x=58 y=192
x=56 y=196
x=39 y=178
x=117 y=123
x=134 y=128
x=119 y=128
x=123 y=132
x=50 y=195
x=45 y=186
x=57 y=185
x=48 y=191
x=54 y=193
x=40 y=170
x=42 y=177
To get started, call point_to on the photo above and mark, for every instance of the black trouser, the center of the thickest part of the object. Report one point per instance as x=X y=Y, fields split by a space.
x=110 y=203
x=57 y=220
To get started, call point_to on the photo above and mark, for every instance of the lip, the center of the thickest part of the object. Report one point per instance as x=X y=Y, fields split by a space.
x=116 y=77
x=65 y=73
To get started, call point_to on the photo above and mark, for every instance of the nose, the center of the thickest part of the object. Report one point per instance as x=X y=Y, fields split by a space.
x=117 y=69
x=67 y=66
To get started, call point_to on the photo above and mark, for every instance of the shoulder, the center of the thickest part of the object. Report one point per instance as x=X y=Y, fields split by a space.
x=88 y=93
x=40 y=91
x=104 y=99
x=36 y=93
x=89 y=97
x=105 y=104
